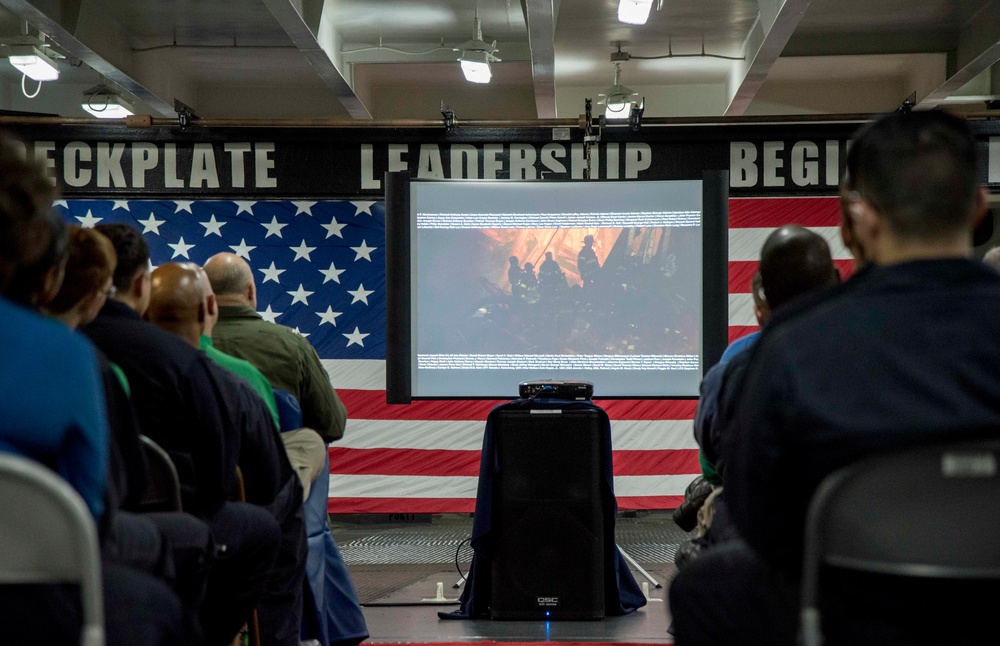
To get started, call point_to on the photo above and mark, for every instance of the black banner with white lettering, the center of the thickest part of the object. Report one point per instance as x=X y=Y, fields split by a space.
x=112 y=160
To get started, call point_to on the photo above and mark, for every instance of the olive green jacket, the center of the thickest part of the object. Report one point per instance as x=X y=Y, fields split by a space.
x=288 y=361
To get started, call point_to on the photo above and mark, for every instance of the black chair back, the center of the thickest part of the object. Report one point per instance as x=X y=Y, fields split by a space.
x=930 y=512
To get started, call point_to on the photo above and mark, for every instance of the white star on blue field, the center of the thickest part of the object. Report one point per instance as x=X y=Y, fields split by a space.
x=318 y=265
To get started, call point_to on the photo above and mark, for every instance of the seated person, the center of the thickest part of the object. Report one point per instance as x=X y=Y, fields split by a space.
x=174 y=546
x=54 y=413
x=177 y=304
x=288 y=361
x=179 y=403
x=903 y=354
x=306 y=450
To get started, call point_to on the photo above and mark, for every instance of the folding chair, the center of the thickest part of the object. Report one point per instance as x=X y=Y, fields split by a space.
x=928 y=513
x=48 y=536
x=252 y=628
x=163 y=485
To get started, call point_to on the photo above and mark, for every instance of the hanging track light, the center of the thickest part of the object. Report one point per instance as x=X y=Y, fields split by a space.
x=617 y=98
x=103 y=103
x=477 y=55
x=634 y=12
x=33 y=62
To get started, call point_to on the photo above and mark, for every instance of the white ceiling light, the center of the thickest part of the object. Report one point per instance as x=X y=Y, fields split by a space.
x=104 y=103
x=476 y=66
x=33 y=63
x=477 y=55
x=617 y=98
x=634 y=12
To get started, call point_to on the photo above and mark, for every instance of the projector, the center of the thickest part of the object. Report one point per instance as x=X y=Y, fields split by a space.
x=554 y=389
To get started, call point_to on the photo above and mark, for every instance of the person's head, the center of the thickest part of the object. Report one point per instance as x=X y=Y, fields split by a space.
x=36 y=283
x=232 y=280
x=588 y=241
x=131 y=277
x=548 y=255
x=529 y=268
x=26 y=218
x=793 y=262
x=513 y=261
x=760 y=307
x=90 y=268
x=911 y=188
x=992 y=258
x=177 y=300
x=211 y=305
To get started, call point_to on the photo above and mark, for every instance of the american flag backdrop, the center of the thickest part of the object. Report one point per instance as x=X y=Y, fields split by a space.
x=320 y=270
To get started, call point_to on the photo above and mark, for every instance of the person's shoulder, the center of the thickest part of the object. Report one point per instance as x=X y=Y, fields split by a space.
x=35 y=333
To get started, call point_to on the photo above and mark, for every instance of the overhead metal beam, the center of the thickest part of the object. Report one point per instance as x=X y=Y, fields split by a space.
x=541 y=22
x=83 y=32
x=776 y=22
x=978 y=49
x=310 y=26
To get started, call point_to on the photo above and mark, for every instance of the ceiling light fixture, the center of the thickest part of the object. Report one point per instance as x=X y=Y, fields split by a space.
x=477 y=55
x=33 y=62
x=104 y=103
x=617 y=98
x=634 y=12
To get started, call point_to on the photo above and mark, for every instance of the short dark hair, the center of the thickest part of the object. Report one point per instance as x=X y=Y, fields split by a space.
x=131 y=250
x=918 y=170
x=28 y=281
x=794 y=261
x=26 y=196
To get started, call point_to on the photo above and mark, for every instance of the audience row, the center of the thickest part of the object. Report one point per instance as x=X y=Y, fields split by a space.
x=177 y=354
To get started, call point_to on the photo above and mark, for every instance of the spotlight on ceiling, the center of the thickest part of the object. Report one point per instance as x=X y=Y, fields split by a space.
x=33 y=62
x=634 y=12
x=617 y=98
x=104 y=103
x=477 y=55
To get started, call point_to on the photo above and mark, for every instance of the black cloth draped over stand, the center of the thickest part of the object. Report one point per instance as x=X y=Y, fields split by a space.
x=622 y=594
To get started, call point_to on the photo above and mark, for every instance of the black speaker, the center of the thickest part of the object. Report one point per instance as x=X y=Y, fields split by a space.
x=548 y=515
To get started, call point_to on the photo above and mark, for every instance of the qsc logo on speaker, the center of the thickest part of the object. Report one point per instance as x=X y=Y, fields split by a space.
x=548 y=601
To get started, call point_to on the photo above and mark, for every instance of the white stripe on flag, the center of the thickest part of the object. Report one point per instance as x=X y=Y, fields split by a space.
x=356 y=374
x=460 y=435
x=653 y=485
x=745 y=244
x=741 y=310
x=372 y=486
x=626 y=435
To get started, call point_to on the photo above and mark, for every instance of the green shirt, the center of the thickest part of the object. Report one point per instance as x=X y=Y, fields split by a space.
x=288 y=361
x=246 y=370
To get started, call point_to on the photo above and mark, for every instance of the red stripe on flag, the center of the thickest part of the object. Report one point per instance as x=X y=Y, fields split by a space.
x=467 y=505
x=370 y=404
x=443 y=462
x=649 y=502
x=774 y=212
x=739 y=331
x=656 y=463
x=404 y=462
x=741 y=273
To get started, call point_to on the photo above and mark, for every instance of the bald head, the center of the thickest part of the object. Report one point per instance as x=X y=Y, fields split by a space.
x=177 y=301
x=231 y=279
x=794 y=261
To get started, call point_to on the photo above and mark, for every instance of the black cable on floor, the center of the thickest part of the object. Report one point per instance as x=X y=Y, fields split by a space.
x=458 y=567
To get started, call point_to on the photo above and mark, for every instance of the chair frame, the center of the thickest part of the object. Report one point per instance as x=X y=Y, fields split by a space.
x=162 y=475
x=980 y=460
x=78 y=534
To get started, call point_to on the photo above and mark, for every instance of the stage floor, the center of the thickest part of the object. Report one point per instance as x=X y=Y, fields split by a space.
x=397 y=562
